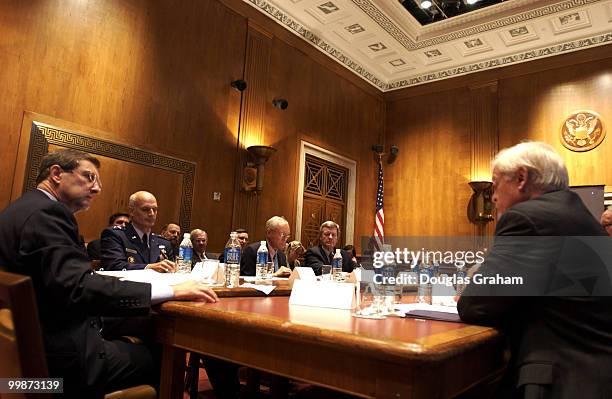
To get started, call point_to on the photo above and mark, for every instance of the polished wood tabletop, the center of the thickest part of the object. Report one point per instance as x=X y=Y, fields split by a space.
x=393 y=357
x=282 y=288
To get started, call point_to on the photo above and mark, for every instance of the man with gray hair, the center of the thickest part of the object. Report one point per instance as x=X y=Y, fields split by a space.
x=323 y=254
x=606 y=221
x=277 y=233
x=557 y=317
x=40 y=239
x=199 y=240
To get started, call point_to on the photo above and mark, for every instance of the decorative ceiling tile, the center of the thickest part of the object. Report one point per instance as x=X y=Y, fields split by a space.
x=396 y=65
x=434 y=56
x=574 y=20
x=353 y=31
x=473 y=45
x=518 y=34
x=376 y=49
x=327 y=12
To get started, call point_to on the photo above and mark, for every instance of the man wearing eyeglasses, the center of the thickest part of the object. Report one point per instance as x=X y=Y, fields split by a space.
x=277 y=233
x=136 y=247
x=323 y=253
x=606 y=221
x=39 y=237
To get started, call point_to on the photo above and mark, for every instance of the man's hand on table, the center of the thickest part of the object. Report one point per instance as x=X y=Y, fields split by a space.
x=194 y=291
x=282 y=272
x=165 y=266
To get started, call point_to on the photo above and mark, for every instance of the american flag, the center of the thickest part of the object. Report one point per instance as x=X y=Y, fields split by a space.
x=379 y=217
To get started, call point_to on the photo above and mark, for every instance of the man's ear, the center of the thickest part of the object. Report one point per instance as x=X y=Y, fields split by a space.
x=55 y=172
x=522 y=178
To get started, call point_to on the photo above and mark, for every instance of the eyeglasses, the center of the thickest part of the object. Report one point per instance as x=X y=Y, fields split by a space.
x=89 y=176
x=285 y=235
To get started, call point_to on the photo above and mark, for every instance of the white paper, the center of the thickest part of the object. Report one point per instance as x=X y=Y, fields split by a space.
x=150 y=276
x=324 y=294
x=266 y=289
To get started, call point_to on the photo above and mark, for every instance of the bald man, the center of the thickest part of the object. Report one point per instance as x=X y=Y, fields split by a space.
x=136 y=247
x=606 y=221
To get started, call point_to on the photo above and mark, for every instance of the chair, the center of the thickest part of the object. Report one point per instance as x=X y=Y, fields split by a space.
x=21 y=345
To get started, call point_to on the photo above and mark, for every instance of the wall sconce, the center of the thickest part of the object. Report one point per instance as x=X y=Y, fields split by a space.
x=260 y=153
x=280 y=103
x=239 y=85
x=480 y=207
x=393 y=151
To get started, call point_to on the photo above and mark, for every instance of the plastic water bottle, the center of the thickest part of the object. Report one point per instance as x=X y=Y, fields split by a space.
x=232 y=261
x=461 y=278
x=336 y=270
x=183 y=260
x=424 y=289
x=389 y=286
x=262 y=261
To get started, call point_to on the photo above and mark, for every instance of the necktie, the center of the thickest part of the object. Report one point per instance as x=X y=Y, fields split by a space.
x=147 y=251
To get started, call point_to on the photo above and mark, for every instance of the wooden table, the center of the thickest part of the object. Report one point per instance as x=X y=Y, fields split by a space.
x=391 y=358
x=282 y=289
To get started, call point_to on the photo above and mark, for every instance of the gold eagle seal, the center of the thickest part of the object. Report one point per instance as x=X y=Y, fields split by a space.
x=131 y=259
x=582 y=131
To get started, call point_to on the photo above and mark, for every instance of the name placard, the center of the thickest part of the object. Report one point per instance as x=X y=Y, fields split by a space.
x=323 y=294
x=209 y=270
x=302 y=273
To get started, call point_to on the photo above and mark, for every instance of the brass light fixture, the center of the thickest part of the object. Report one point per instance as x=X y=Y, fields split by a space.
x=480 y=207
x=260 y=153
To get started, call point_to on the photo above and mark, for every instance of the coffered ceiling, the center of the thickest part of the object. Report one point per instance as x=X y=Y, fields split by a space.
x=380 y=41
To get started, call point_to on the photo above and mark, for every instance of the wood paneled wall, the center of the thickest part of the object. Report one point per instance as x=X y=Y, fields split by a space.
x=438 y=130
x=426 y=190
x=156 y=75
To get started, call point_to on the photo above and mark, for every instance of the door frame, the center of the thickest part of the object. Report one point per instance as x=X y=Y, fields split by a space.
x=351 y=165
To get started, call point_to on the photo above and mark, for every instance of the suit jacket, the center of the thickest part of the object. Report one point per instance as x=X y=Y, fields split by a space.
x=124 y=249
x=39 y=238
x=315 y=257
x=94 y=249
x=555 y=338
x=248 y=260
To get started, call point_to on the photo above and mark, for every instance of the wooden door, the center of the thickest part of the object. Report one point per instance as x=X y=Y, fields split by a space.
x=325 y=186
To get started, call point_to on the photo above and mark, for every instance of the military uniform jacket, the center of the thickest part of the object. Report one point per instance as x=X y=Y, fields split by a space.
x=124 y=249
x=40 y=239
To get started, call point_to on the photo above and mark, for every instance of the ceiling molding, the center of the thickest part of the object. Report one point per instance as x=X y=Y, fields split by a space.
x=384 y=45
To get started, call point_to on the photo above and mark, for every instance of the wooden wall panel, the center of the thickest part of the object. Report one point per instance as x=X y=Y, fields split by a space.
x=153 y=74
x=534 y=107
x=326 y=110
x=426 y=188
x=440 y=122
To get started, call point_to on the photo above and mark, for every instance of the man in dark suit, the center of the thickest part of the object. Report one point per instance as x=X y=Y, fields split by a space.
x=199 y=241
x=136 y=247
x=172 y=233
x=277 y=233
x=323 y=254
x=117 y=221
x=39 y=237
x=557 y=318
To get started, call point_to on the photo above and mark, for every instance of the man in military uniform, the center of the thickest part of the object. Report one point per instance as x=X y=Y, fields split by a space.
x=135 y=247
